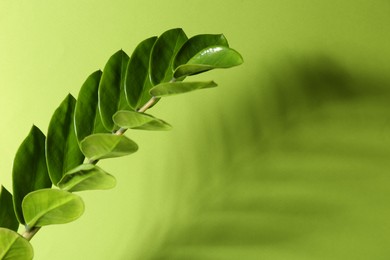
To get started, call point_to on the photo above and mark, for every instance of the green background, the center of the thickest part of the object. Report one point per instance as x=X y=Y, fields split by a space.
x=287 y=159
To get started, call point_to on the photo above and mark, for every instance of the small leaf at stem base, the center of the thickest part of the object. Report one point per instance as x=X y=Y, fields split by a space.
x=87 y=177
x=101 y=146
x=173 y=88
x=136 y=120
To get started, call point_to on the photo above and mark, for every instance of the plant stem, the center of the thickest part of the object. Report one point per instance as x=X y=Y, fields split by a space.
x=122 y=130
x=147 y=105
x=143 y=109
x=28 y=234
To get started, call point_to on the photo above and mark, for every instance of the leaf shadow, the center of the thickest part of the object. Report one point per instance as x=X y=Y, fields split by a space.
x=298 y=172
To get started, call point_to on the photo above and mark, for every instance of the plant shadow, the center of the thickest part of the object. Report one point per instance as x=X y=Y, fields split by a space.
x=299 y=171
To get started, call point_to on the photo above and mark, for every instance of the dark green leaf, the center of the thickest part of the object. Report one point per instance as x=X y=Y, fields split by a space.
x=137 y=76
x=87 y=177
x=136 y=120
x=197 y=43
x=209 y=58
x=14 y=247
x=62 y=149
x=86 y=115
x=101 y=146
x=173 y=88
x=7 y=214
x=29 y=171
x=163 y=54
x=111 y=89
x=50 y=206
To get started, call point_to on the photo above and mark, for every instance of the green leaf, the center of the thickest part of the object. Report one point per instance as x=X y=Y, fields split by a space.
x=210 y=58
x=29 y=171
x=163 y=54
x=173 y=88
x=197 y=43
x=62 y=149
x=7 y=214
x=136 y=120
x=101 y=146
x=111 y=88
x=86 y=115
x=14 y=247
x=50 y=206
x=87 y=177
x=137 y=76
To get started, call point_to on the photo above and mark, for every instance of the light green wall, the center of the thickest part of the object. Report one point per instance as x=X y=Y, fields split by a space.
x=47 y=48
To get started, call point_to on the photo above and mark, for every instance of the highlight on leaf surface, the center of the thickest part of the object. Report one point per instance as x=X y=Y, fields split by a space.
x=14 y=247
x=29 y=171
x=213 y=57
x=87 y=177
x=136 y=120
x=51 y=206
x=173 y=88
x=101 y=146
x=195 y=44
x=7 y=214
x=62 y=148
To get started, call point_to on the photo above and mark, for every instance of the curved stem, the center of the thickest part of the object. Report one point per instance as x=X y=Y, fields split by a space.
x=122 y=130
x=29 y=234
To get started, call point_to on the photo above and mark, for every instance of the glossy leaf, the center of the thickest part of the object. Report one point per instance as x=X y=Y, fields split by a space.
x=136 y=120
x=14 y=247
x=29 y=171
x=86 y=115
x=163 y=54
x=111 y=89
x=210 y=58
x=197 y=43
x=87 y=177
x=62 y=149
x=7 y=214
x=173 y=88
x=51 y=206
x=137 y=76
x=101 y=146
